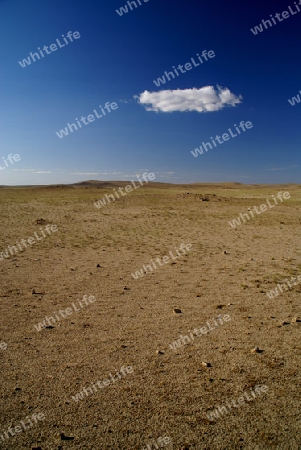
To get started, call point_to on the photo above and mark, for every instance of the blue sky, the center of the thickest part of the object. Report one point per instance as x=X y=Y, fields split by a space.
x=116 y=59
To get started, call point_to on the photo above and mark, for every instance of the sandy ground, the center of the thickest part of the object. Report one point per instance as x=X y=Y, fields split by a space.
x=131 y=323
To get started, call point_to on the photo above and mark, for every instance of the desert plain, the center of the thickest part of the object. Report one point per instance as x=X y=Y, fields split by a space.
x=130 y=325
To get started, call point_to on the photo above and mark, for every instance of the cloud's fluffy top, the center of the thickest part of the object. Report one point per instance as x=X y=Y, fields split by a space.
x=204 y=99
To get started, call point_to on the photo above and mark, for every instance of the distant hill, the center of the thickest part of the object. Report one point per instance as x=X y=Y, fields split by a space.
x=150 y=184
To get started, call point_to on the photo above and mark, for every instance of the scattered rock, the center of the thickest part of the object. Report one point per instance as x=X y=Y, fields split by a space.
x=98 y=265
x=220 y=306
x=205 y=364
x=126 y=288
x=284 y=323
x=159 y=352
x=296 y=319
x=177 y=311
x=256 y=350
x=40 y=221
x=34 y=292
x=66 y=438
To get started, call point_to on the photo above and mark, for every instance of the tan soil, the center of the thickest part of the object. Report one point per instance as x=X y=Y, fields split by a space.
x=132 y=323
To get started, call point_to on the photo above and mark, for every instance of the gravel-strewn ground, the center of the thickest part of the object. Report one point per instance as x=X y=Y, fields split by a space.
x=131 y=323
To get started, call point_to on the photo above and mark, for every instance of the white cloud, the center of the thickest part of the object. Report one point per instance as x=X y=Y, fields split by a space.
x=41 y=171
x=204 y=99
x=23 y=170
x=282 y=168
x=84 y=173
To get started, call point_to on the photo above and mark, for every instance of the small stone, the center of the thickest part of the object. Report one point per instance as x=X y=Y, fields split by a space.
x=284 y=323
x=126 y=288
x=159 y=352
x=98 y=265
x=34 y=292
x=40 y=221
x=177 y=311
x=205 y=364
x=66 y=438
x=255 y=350
x=296 y=319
